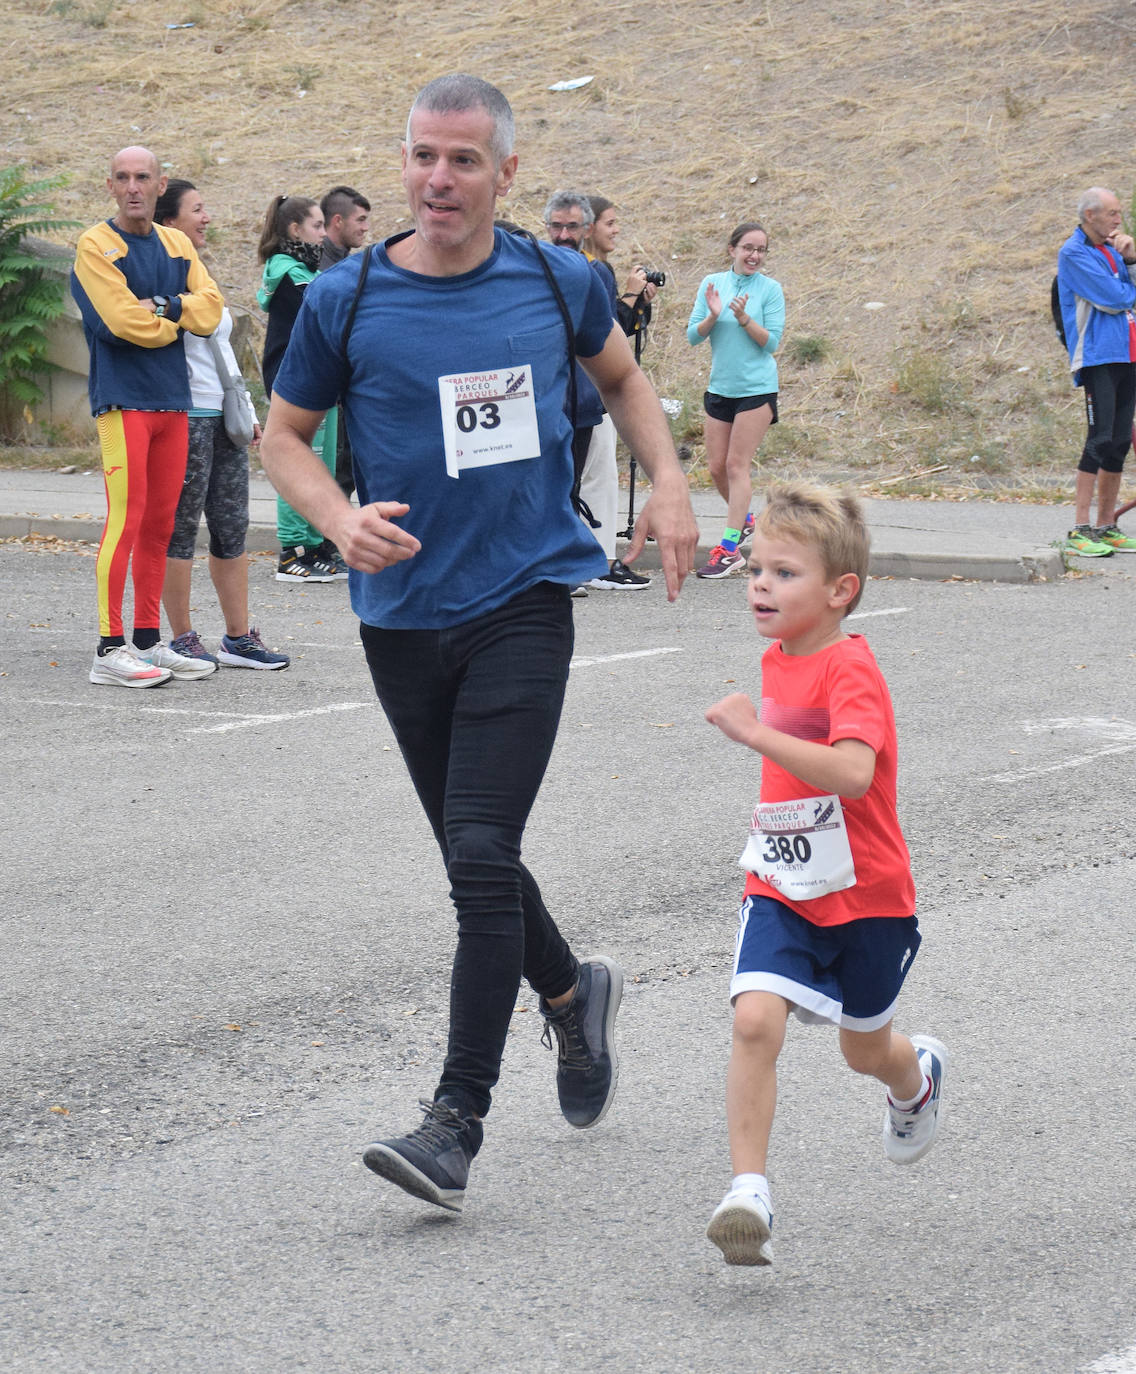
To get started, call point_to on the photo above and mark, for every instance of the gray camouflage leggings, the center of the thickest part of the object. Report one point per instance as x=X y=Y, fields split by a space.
x=216 y=482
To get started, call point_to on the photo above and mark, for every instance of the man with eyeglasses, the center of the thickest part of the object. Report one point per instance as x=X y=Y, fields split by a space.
x=568 y=217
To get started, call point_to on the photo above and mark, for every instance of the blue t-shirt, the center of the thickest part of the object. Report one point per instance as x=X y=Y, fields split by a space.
x=493 y=531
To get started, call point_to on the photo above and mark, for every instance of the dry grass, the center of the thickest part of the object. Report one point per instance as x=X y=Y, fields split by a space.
x=923 y=155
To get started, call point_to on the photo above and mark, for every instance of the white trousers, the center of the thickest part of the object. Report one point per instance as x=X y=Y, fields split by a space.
x=599 y=484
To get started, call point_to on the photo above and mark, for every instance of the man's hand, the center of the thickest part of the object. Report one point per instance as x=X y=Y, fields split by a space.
x=736 y=716
x=1124 y=245
x=369 y=540
x=667 y=516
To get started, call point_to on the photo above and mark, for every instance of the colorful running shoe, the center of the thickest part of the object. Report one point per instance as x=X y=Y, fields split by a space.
x=1082 y=540
x=1115 y=538
x=722 y=563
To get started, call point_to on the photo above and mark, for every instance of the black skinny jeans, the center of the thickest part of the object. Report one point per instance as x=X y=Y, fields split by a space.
x=475 y=711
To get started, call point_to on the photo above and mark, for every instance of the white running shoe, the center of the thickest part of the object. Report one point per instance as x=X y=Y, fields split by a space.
x=177 y=665
x=909 y=1135
x=123 y=668
x=742 y=1228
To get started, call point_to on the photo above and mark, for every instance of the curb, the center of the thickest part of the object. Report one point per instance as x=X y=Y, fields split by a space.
x=1031 y=565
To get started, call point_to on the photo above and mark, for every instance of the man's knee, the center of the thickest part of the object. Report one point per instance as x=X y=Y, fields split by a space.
x=483 y=864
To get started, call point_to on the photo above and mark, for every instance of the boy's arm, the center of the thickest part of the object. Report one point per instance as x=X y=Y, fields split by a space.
x=845 y=768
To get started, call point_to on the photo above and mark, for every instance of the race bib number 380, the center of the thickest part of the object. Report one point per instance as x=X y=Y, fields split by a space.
x=488 y=418
x=800 y=848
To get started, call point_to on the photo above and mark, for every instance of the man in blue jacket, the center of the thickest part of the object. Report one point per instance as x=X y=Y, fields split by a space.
x=1097 y=291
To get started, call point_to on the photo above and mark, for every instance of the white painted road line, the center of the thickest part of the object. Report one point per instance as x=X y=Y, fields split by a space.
x=1025 y=773
x=615 y=658
x=891 y=610
x=1123 y=1362
x=1102 y=727
x=283 y=716
x=237 y=720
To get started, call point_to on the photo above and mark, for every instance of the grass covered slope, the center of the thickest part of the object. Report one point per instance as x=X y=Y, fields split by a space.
x=920 y=158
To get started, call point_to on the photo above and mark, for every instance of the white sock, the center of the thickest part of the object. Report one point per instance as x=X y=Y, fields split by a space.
x=753 y=1183
x=906 y=1104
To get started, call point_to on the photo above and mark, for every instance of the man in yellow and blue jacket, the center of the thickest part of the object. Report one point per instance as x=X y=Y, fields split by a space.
x=138 y=286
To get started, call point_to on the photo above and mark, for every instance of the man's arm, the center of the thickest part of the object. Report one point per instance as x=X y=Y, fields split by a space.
x=1085 y=272
x=639 y=418
x=364 y=536
x=113 y=311
x=202 y=303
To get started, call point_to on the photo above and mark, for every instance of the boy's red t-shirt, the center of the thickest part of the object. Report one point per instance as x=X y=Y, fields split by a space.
x=840 y=693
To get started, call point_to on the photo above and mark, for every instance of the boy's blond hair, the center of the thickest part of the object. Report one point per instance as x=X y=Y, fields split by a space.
x=821 y=518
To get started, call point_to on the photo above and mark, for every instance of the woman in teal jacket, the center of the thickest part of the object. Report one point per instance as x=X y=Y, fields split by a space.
x=289 y=248
x=742 y=313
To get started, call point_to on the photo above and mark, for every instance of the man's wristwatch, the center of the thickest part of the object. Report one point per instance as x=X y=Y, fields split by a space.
x=161 y=305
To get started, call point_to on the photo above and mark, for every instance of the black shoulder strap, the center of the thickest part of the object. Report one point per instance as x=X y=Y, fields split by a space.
x=578 y=502
x=362 y=282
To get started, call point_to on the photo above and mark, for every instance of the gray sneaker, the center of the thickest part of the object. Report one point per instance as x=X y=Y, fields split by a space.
x=587 y=1065
x=432 y=1162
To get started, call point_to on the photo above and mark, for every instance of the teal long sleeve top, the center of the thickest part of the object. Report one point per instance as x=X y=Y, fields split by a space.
x=739 y=366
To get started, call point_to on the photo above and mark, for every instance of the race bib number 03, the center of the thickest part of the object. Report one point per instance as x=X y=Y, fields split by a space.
x=488 y=418
x=800 y=848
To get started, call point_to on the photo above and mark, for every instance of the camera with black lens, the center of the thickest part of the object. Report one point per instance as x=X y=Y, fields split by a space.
x=655 y=278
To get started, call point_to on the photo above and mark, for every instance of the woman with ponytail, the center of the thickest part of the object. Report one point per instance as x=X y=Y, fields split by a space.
x=289 y=248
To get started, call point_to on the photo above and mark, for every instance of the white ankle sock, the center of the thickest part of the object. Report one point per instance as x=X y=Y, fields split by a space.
x=752 y=1183
x=907 y=1104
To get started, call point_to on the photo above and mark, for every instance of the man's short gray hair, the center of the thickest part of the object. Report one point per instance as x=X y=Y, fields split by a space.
x=1092 y=199
x=561 y=201
x=458 y=92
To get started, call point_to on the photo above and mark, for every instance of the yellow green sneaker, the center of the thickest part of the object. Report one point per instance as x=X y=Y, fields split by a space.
x=1115 y=538
x=1082 y=540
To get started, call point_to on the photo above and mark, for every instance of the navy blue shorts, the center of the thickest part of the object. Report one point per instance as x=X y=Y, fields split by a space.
x=849 y=974
x=728 y=408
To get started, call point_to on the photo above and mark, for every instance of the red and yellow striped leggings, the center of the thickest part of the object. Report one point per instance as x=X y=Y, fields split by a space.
x=144 y=453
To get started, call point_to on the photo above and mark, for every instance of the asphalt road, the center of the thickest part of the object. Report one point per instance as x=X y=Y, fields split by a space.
x=225 y=960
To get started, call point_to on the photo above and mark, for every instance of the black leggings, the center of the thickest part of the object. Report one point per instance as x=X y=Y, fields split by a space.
x=475 y=711
x=1110 y=402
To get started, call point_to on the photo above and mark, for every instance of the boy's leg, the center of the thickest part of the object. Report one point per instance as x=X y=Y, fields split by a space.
x=742 y=1224
x=760 y=1019
x=912 y=1070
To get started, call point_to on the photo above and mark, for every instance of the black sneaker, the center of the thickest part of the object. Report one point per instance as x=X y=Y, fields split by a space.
x=432 y=1162
x=619 y=578
x=587 y=1066
x=298 y=564
x=330 y=556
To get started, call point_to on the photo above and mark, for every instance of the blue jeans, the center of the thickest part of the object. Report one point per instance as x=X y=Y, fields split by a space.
x=475 y=711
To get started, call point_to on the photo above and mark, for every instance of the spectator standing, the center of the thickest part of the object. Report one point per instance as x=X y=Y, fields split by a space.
x=633 y=304
x=742 y=312
x=346 y=224
x=216 y=478
x=290 y=247
x=567 y=217
x=1096 y=286
x=139 y=288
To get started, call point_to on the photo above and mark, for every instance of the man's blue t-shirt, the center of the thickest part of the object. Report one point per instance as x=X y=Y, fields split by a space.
x=488 y=532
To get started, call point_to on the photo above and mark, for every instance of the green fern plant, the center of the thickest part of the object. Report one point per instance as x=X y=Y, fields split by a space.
x=31 y=287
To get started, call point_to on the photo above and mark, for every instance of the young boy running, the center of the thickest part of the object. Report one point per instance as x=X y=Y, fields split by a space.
x=827 y=926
